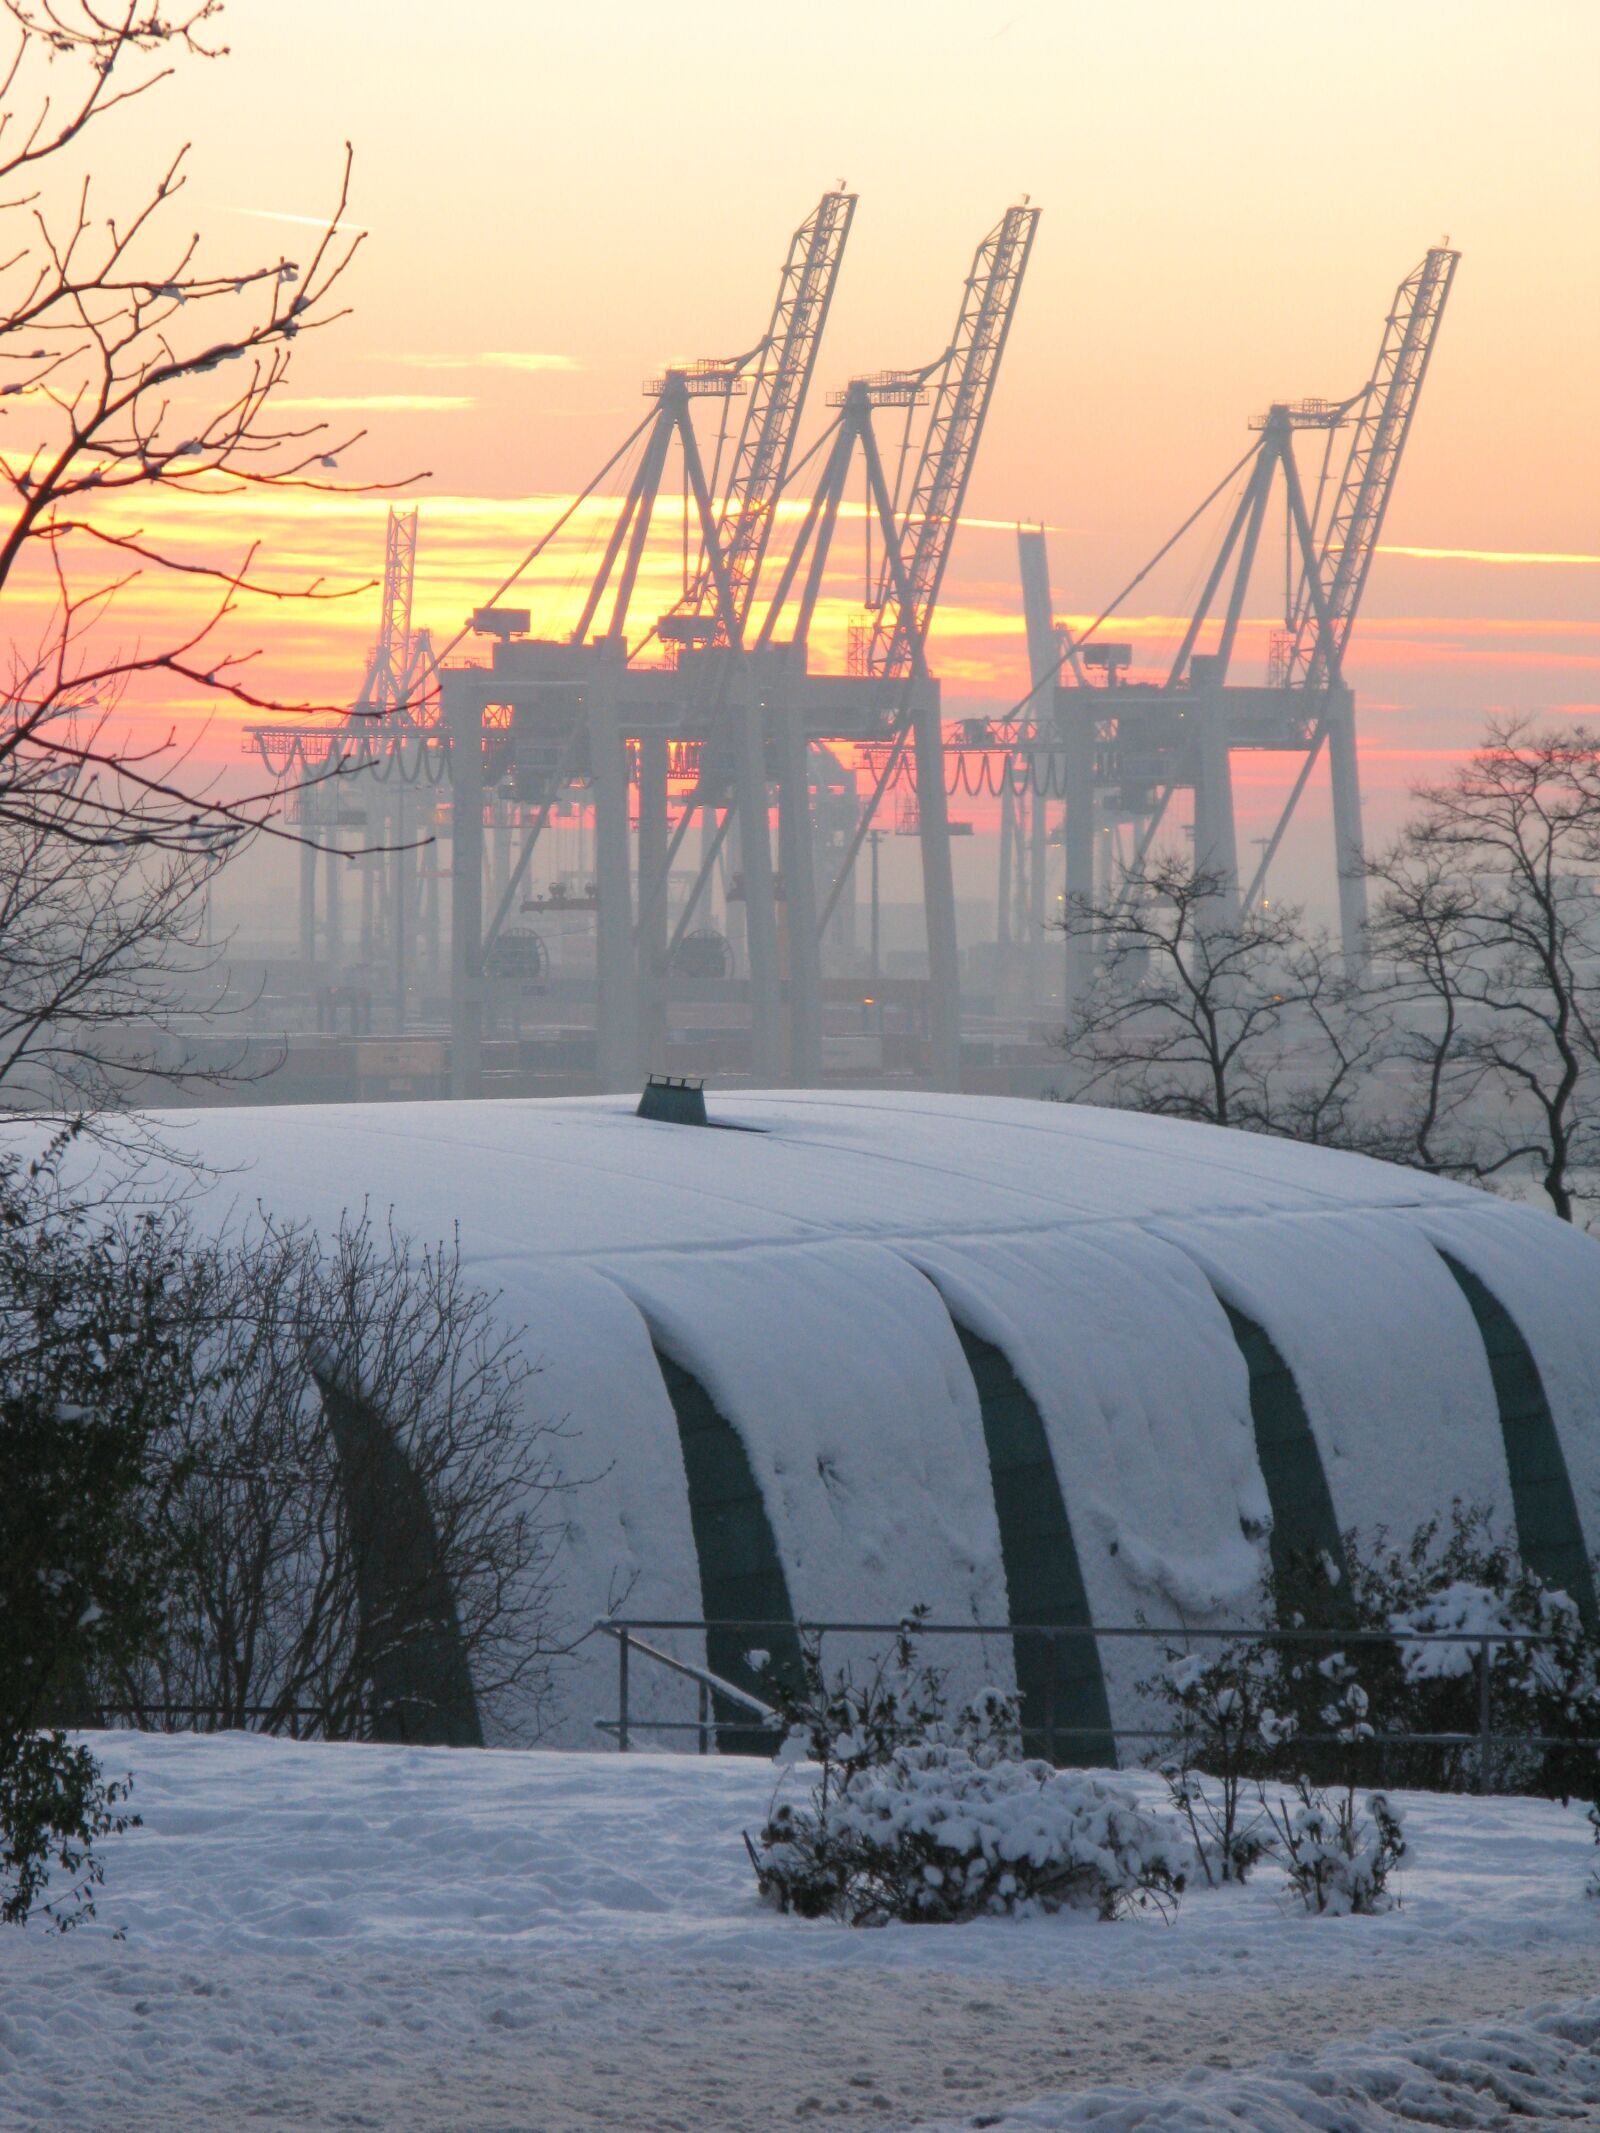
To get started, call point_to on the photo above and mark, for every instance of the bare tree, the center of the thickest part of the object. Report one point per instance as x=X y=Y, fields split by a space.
x=1486 y=937
x=1415 y=935
x=104 y=955
x=368 y=1519
x=1199 y=1011
x=133 y=367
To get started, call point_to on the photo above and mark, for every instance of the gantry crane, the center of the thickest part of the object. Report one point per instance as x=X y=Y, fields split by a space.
x=785 y=361
x=1125 y=748
x=890 y=656
x=594 y=696
x=745 y=709
x=964 y=388
x=1021 y=900
x=382 y=741
x=712 y=614
x=1314 y=652
x=381 y=692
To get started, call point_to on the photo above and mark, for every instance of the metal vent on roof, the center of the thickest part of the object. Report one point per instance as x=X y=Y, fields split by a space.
x=674 y=1099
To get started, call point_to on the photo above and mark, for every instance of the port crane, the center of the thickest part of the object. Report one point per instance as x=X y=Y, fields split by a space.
x=1116 y=750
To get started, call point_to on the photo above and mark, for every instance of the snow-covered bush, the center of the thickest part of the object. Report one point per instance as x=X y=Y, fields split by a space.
x=1222 y=1736
x=1464 y=1581
x=934 y=1836
x=1339 y=1859
x=931 y=1816
x=846 y=1725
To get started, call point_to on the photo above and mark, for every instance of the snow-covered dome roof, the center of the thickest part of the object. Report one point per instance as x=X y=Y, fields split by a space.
x=1015 y=1360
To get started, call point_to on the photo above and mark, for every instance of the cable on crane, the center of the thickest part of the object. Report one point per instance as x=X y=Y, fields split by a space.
x=1108 y=611
x=549 y=535
x=793 y=474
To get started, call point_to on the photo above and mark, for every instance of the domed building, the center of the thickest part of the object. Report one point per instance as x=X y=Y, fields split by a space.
x=829 y=1356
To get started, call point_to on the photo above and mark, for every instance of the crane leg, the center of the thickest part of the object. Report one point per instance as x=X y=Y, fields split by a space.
x=400 y=907
x=1002 y=908
x=1349 y=850
x=1216 y=849
x=653 y=898
x=797 y=863
x=617 y=1040
x=1078 y=835
x=939 y=900
x=308 y=891
x=332 y=887
x=760 y=901
x=465 y=718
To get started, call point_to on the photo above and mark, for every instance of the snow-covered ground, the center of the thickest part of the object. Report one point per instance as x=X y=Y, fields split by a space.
x=423 y=1939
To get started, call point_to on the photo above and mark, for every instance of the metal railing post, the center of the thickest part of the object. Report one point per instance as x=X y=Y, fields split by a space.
x=705 y=1713
x=1485 y=1717
x=622 y=1692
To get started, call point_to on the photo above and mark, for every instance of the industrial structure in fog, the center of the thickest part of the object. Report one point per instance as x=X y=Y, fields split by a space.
x=729 y=699
x=710 y=713
x=1116 y=751
x=736 y=698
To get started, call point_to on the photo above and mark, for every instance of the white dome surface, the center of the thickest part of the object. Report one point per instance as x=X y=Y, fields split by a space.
x=811 y=1272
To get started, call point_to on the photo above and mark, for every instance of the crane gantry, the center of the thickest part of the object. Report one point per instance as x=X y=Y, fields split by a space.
x=728 y=700
x=355 y=776
x=785 y=362
x=962 y=390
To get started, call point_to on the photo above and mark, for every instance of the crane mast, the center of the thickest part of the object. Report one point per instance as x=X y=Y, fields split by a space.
x=967 y=373
x=1382 y=423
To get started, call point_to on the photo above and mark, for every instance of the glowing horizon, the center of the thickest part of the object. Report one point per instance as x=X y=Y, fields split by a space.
x=514 y=289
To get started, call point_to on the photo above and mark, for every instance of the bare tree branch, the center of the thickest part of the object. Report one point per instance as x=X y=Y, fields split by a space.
x=131 y=362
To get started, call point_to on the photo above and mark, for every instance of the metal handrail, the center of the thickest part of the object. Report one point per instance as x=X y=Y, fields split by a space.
x=710 y=1684
x=625 y=1630
x=1173 y=1632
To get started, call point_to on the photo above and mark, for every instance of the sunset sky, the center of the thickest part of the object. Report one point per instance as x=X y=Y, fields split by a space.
x=560 y=199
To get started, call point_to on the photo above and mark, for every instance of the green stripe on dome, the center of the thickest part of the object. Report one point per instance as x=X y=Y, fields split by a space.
x=1304 y=1523
x=1549 y=1533
x=1060 y=1678
x=741 y=1574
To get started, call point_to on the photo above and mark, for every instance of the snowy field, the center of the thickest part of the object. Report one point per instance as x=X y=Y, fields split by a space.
x=318 y=1937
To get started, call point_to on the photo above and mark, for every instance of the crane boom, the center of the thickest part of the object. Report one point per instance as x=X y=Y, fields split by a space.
x=381 y=692
x=778 y=390
x=967 y=373
x=1382 y=424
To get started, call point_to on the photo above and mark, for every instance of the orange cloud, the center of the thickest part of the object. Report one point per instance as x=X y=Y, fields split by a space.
x=490 y=359
x=378 y=403
x=1490 y=555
